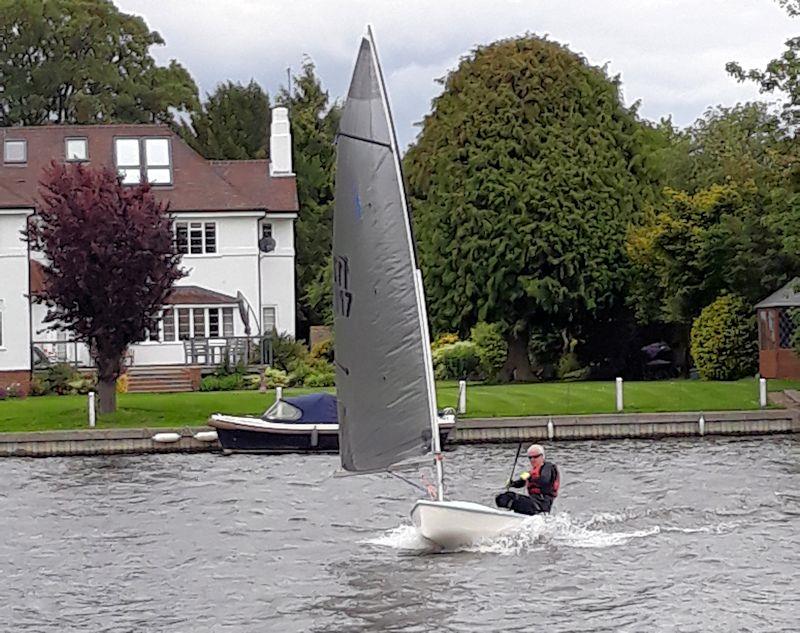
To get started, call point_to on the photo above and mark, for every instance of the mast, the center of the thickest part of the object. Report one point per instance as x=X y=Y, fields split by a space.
x=436 y=447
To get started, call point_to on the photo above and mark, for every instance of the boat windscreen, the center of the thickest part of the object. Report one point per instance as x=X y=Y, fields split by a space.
x=282 y=411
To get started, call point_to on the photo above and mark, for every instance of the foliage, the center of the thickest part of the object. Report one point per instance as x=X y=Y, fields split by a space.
x=569 y=368
x=699 y=246
x=724 y=345
x=444 y=338
x=229 y=382
x=310 y=372
x=56 y=378
x=111 y=262
x=492 y=349
x=37 y=386
x=524 y=179
x=286 y=351
x=275 y=378
x=83 y=61
x=314 y=123
x=458 y=360
x=14 y=390
x=324 y=350
x=781 y=74
x=233 y=123
x=123 y=383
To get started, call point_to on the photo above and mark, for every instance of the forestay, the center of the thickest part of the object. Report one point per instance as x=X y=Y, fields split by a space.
x=383 y=374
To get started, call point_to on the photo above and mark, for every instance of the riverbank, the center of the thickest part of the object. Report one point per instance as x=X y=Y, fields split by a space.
x=467 y=431
x=177 y=410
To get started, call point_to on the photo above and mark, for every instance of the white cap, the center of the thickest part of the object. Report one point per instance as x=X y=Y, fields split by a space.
x=535 y=449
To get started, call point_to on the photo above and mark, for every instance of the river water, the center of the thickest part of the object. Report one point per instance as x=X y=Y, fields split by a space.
x=671 y=535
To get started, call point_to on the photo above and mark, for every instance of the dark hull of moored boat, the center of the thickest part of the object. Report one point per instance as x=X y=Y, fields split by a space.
x=243 y=440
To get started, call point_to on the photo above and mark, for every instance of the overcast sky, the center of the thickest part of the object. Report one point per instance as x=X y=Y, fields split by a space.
x=671 y=54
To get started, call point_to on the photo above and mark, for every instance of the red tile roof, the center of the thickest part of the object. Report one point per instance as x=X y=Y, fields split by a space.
x=196 y=295
x=198 y=184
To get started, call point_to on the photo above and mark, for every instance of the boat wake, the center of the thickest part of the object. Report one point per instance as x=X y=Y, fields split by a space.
x=539 y=532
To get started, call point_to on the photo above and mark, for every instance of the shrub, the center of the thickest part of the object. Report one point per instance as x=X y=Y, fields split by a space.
x=286 y=352
x=57 y=378
x=456 y=360
x=445 y=338
x=312 y=373
x=570 y=368
x=320 y=379
x=275 y=378
x=209 y=383
x=724 y=345
x=323 y=350
x=38 y=387
x=492 y=349
x=123 y=382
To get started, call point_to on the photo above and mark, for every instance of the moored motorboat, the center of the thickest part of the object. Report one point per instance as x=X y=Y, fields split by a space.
x=453 y=524
x=306 y=423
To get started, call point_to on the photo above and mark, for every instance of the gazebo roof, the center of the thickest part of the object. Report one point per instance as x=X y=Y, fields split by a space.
x=786 y=297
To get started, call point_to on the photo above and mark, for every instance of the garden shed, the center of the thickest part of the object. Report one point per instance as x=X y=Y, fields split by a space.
x=776 y=355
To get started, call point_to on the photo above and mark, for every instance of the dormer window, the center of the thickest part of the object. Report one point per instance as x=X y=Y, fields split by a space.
x=15 y=151
x=140 y=159
x=77 y=149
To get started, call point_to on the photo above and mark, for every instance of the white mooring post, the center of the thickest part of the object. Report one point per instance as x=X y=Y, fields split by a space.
x=701 y=425
x=551 y=429
x=620 y=404
x=278 y=393
x=92 y=416
x=762 y=392
x=462 y=396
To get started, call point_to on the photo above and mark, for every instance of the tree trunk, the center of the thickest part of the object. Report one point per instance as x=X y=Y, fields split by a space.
x=518 y=364
x=108 y=370
x=107 y=396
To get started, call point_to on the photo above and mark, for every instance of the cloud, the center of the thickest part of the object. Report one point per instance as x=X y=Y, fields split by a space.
x=670 y=54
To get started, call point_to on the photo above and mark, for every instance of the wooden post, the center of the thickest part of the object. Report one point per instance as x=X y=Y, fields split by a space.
x=620 y=403
x=462 y=396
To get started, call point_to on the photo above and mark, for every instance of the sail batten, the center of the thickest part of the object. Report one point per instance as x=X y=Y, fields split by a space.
x=383 y=374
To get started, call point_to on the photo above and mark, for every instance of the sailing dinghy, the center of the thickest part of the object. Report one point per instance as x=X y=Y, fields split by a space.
x=384 y=371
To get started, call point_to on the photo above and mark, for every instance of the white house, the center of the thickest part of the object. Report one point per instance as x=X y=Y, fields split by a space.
x=234 y=224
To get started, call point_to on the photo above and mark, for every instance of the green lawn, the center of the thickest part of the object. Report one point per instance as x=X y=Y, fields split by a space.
x=191 y=409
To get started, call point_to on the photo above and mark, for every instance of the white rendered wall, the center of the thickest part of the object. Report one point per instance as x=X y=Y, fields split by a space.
x=277 y=276
x=14 y=350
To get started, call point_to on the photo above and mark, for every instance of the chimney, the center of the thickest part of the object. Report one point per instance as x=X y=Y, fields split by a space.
x=280 y=143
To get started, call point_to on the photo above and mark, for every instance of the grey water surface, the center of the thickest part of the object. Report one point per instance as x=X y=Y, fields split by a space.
x=671 y=535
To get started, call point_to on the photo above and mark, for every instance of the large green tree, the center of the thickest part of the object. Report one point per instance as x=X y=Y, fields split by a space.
x=314 y=122
x=83 y=61
x=523 y=180
x=233 y=123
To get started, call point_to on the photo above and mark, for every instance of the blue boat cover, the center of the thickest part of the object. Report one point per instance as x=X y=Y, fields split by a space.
x=317 y=408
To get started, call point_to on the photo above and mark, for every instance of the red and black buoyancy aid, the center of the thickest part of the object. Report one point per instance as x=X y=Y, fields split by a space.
x=550 y=490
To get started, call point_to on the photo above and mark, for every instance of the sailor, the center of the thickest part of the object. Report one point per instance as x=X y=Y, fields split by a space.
x=542 y=483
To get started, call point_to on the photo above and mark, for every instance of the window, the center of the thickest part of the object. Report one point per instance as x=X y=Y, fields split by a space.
x=267 y=320
x=199 y=322
x=15 y=151
x=143 y=159
x=1 y=324
x=77 y=149
x=196 y=238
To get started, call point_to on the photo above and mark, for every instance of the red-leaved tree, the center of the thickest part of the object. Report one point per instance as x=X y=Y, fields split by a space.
x=111 y=262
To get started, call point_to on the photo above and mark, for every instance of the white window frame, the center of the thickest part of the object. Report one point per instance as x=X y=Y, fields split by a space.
x=75 y=139
x=143 y=165
x=274 y=309
x=193 y=309
x=9 y=161
x=2 y=322
x=203 y=228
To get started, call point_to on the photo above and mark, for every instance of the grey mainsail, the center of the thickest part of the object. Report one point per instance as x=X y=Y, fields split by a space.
x=383 y=371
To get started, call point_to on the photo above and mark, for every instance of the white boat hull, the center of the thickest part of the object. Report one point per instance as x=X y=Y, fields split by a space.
x=452 y=524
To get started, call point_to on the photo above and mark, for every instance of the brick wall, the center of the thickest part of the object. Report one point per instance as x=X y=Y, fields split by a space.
x=23 y=378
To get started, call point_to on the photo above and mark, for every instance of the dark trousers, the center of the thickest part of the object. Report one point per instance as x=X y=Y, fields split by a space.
x=523 y=504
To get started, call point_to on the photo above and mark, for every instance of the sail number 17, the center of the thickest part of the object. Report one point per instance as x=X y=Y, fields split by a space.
x=342 y=297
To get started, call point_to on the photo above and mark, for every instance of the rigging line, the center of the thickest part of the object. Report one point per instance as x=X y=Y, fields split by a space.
x=366 y=140
x=408 y=481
